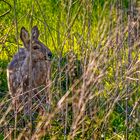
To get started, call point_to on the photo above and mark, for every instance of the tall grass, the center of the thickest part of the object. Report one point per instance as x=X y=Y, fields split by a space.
x=94 y=87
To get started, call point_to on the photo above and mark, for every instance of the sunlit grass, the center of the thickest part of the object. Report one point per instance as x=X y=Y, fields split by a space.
x=94 y=85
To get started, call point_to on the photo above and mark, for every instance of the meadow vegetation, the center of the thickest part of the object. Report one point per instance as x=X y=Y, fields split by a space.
x=94 y=89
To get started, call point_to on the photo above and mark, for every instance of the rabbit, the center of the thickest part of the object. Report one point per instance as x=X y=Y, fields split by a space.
x=19 y=76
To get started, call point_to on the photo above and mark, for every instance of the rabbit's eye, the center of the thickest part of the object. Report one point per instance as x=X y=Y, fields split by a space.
x=35 y=47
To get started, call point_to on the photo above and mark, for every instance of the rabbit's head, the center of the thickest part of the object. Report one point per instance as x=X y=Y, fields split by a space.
x=38 y=49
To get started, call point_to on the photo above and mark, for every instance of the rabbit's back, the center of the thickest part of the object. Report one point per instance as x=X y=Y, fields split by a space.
x=18 y=72
x=17 y=60
x=14 y=73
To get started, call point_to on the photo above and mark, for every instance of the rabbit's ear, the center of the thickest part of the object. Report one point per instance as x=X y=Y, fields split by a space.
x=35 y=32
x=24 y=36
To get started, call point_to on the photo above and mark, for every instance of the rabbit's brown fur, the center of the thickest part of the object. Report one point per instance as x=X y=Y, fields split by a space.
x=18 y=69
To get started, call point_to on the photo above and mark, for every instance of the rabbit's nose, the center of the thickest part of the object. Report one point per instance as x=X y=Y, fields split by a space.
x=50 y=55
